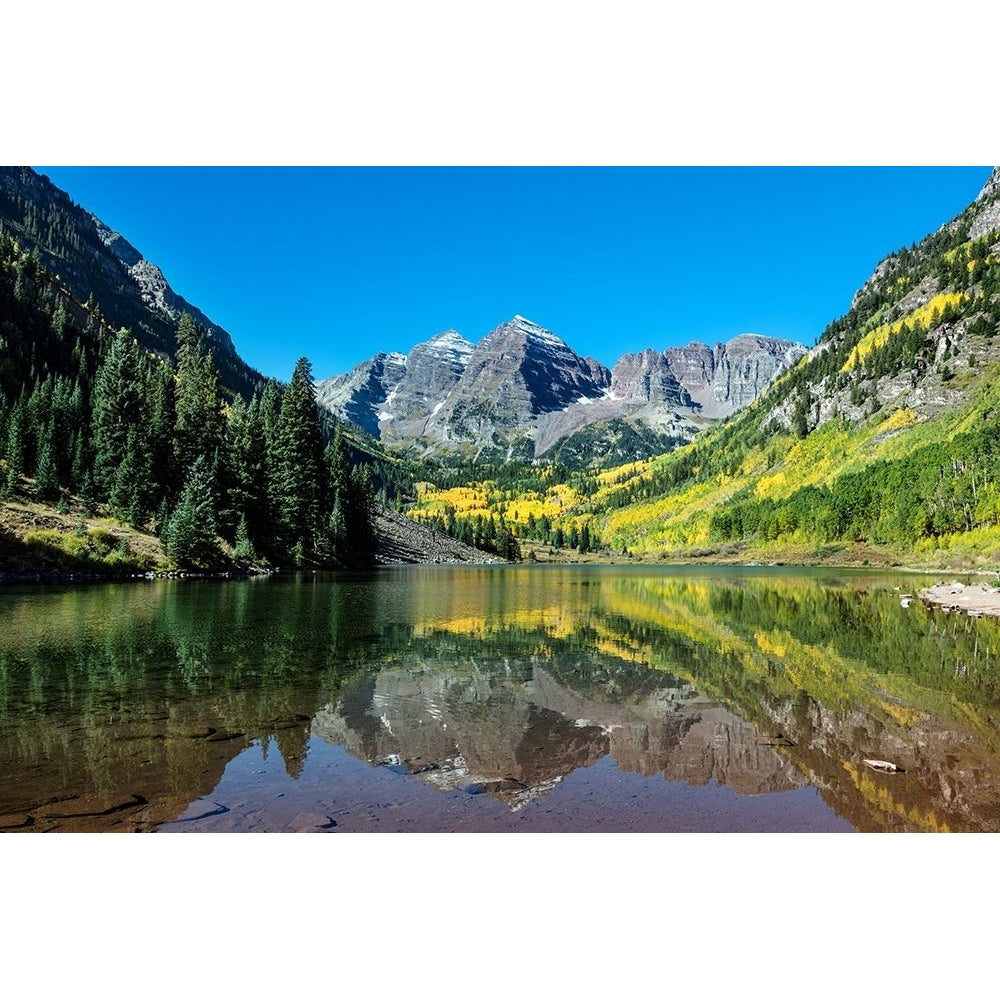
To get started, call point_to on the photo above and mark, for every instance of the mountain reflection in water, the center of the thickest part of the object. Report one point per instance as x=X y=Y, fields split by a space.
x=741 y=698
x=516 y=734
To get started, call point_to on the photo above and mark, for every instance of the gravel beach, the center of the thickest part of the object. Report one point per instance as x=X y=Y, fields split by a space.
x=975 y=599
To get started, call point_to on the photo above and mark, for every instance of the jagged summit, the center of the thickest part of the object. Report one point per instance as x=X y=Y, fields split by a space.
x=448 y=341
x=449 y=337
x=522 y=390
x=533 y=331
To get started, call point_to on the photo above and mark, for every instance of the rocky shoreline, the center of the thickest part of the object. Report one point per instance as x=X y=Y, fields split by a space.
x=974 y=599
x=79 y=576
x=402 y=541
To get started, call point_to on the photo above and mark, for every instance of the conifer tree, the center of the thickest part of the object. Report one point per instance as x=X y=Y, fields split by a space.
x=189 y=535
x=297 y=464
x=338 y=471
x=198 y=422
x=14 y=444
x=131 y=497
x=246 y=451
x=360 y=518
x=243 y=549
x=118 y=406
x=336 y=542
x=162 y=415
x=80 y=460
x=46 y=475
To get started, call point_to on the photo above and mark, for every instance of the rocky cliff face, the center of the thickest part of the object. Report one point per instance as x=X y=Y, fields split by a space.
x=361 y=395
x=715 y=382
x=152 y=287
x=734 y=374
x=648 y=378
x=522 y=391
x=986 y=208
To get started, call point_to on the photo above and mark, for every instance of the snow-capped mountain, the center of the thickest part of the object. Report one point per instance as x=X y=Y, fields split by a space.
x=522 y=390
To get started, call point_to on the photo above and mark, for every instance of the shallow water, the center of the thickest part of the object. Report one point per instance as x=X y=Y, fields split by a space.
x=538 y=698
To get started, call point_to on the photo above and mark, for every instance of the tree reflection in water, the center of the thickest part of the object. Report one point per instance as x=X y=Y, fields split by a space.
x=122 y=706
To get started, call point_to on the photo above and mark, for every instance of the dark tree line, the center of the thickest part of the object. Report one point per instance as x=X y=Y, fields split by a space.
x=88 y=413
x=486 y=533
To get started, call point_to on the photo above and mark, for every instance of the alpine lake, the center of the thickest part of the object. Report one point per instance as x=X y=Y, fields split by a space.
x=498 y=698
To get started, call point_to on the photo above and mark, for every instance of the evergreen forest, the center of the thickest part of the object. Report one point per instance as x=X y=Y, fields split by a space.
x=92 y=421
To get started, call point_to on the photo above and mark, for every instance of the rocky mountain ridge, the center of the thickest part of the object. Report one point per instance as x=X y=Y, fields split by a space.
x=939 y=293
x=521 y=391
x=97 y=265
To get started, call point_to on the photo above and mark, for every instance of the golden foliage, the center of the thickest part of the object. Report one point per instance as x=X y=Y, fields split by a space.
x=923 y=317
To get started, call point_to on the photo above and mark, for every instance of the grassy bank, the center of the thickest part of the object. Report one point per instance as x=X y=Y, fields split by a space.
x=36 y=537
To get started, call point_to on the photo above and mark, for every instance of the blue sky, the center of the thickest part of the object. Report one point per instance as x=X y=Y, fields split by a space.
x=339 y=263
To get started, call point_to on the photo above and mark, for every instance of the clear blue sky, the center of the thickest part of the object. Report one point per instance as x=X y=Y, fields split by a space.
x=339 y=263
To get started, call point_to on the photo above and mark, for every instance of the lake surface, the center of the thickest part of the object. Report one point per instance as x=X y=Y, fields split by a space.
x=532 y=698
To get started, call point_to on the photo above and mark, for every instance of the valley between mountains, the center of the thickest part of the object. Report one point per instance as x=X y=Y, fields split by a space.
x=134 y=439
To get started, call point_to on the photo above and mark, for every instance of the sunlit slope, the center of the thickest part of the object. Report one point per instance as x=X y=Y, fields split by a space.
x=884 y=436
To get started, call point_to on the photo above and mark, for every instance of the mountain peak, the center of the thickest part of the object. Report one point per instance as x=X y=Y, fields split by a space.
x=992 y=186
x=450 y=340
x=532 y=331
x=527 y=325
x=986 y=208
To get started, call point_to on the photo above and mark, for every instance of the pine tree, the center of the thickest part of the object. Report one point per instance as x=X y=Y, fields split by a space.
x=162 y=415
x=46 y=475
x=337 y=545
x=243 y=549
x=131 y=497
x=79 y=459
x=189 y=535
x=198 y=423
x=14 y=444
x=246 y=450
x=360 y=518
x=119 y=405
x=297 y=464
x=351 y=525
